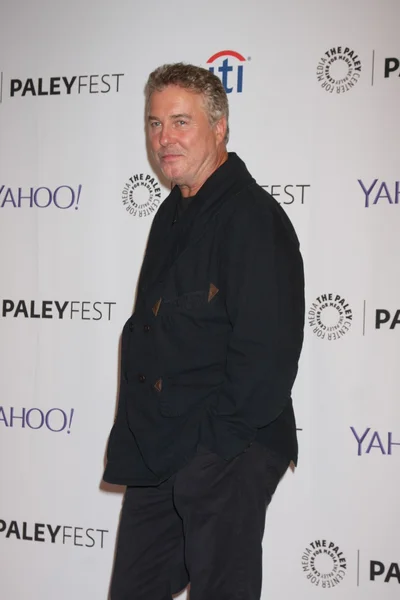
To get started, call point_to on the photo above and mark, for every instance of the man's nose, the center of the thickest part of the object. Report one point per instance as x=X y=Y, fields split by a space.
x=165 y=136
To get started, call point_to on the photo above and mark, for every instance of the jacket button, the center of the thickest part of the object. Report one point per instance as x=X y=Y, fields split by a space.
x=142 y=378
x=146 y=328
x=131 y=327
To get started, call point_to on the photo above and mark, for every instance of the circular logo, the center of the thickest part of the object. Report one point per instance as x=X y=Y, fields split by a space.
x=338 y=70
x=330 y=316
x=141 y=195
x=323 y=564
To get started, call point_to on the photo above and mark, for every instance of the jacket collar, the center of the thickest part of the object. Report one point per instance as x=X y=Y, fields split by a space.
x=172 y=241
x=227 y=180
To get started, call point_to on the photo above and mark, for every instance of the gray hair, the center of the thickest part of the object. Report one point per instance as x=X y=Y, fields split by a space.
x=196 y=79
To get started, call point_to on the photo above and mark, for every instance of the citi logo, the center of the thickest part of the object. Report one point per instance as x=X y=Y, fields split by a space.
x=229 y=64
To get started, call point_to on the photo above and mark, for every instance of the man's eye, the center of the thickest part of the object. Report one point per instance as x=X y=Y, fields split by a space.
x=181 y=122
x=154 y=123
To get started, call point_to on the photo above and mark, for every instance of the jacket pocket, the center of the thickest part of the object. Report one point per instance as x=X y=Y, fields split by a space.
x=180 y=395
x=189 y=301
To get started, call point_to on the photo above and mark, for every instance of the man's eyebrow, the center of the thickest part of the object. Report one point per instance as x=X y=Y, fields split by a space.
x=178 y=116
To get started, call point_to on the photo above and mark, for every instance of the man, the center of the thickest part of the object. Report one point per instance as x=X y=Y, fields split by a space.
x=205 y=426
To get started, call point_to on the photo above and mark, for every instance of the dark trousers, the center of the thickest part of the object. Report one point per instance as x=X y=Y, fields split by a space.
x=204 y=525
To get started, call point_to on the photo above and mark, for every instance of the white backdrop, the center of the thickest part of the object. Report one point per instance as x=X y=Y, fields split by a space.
x=314 y=104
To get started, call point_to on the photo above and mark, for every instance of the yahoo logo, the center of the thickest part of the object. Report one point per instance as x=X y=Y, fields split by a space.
x=54 y=419
x=387 y=193
x=63 y=197
x=369 y=440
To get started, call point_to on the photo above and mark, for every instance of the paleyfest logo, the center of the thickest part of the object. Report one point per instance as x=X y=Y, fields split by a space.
x=63 y=197
x=390 y=572
x=56 y=309
x=288 y=193
x=392 y=67
x=339 y=70
x=26 y=531
x=61 y=85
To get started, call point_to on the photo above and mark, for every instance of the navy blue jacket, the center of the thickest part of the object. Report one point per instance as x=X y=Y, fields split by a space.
x=211 y=352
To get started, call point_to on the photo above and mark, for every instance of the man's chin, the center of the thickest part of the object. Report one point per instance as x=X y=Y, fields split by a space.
x=171 y=173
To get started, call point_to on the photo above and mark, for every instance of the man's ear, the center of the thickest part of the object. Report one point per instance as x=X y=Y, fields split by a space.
x=220 y=129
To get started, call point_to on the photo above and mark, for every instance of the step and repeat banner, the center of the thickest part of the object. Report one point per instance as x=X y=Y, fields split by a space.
x=314 y=91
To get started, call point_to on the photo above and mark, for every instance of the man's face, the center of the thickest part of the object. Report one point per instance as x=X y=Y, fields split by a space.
x=182 y=140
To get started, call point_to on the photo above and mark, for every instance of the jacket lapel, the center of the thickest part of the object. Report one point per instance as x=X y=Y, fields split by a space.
x=160 y=243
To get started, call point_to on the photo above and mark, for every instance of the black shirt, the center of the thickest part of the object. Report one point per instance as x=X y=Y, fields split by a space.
x=181 y=205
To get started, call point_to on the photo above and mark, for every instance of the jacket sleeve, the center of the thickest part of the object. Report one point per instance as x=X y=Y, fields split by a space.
x=261 y=274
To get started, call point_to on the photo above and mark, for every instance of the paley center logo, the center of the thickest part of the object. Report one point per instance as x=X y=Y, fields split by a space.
x=62 y=85
x=288 y=193
x=380 y=192
x=63 y=197
x=324 y=564
x=25 y=531
x=338 y=70
x=56 y=309
x=330 y=316
x=141 y=195
x=228 y=64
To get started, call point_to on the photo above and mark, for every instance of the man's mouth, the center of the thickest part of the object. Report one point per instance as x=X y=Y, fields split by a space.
x=169 y=157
